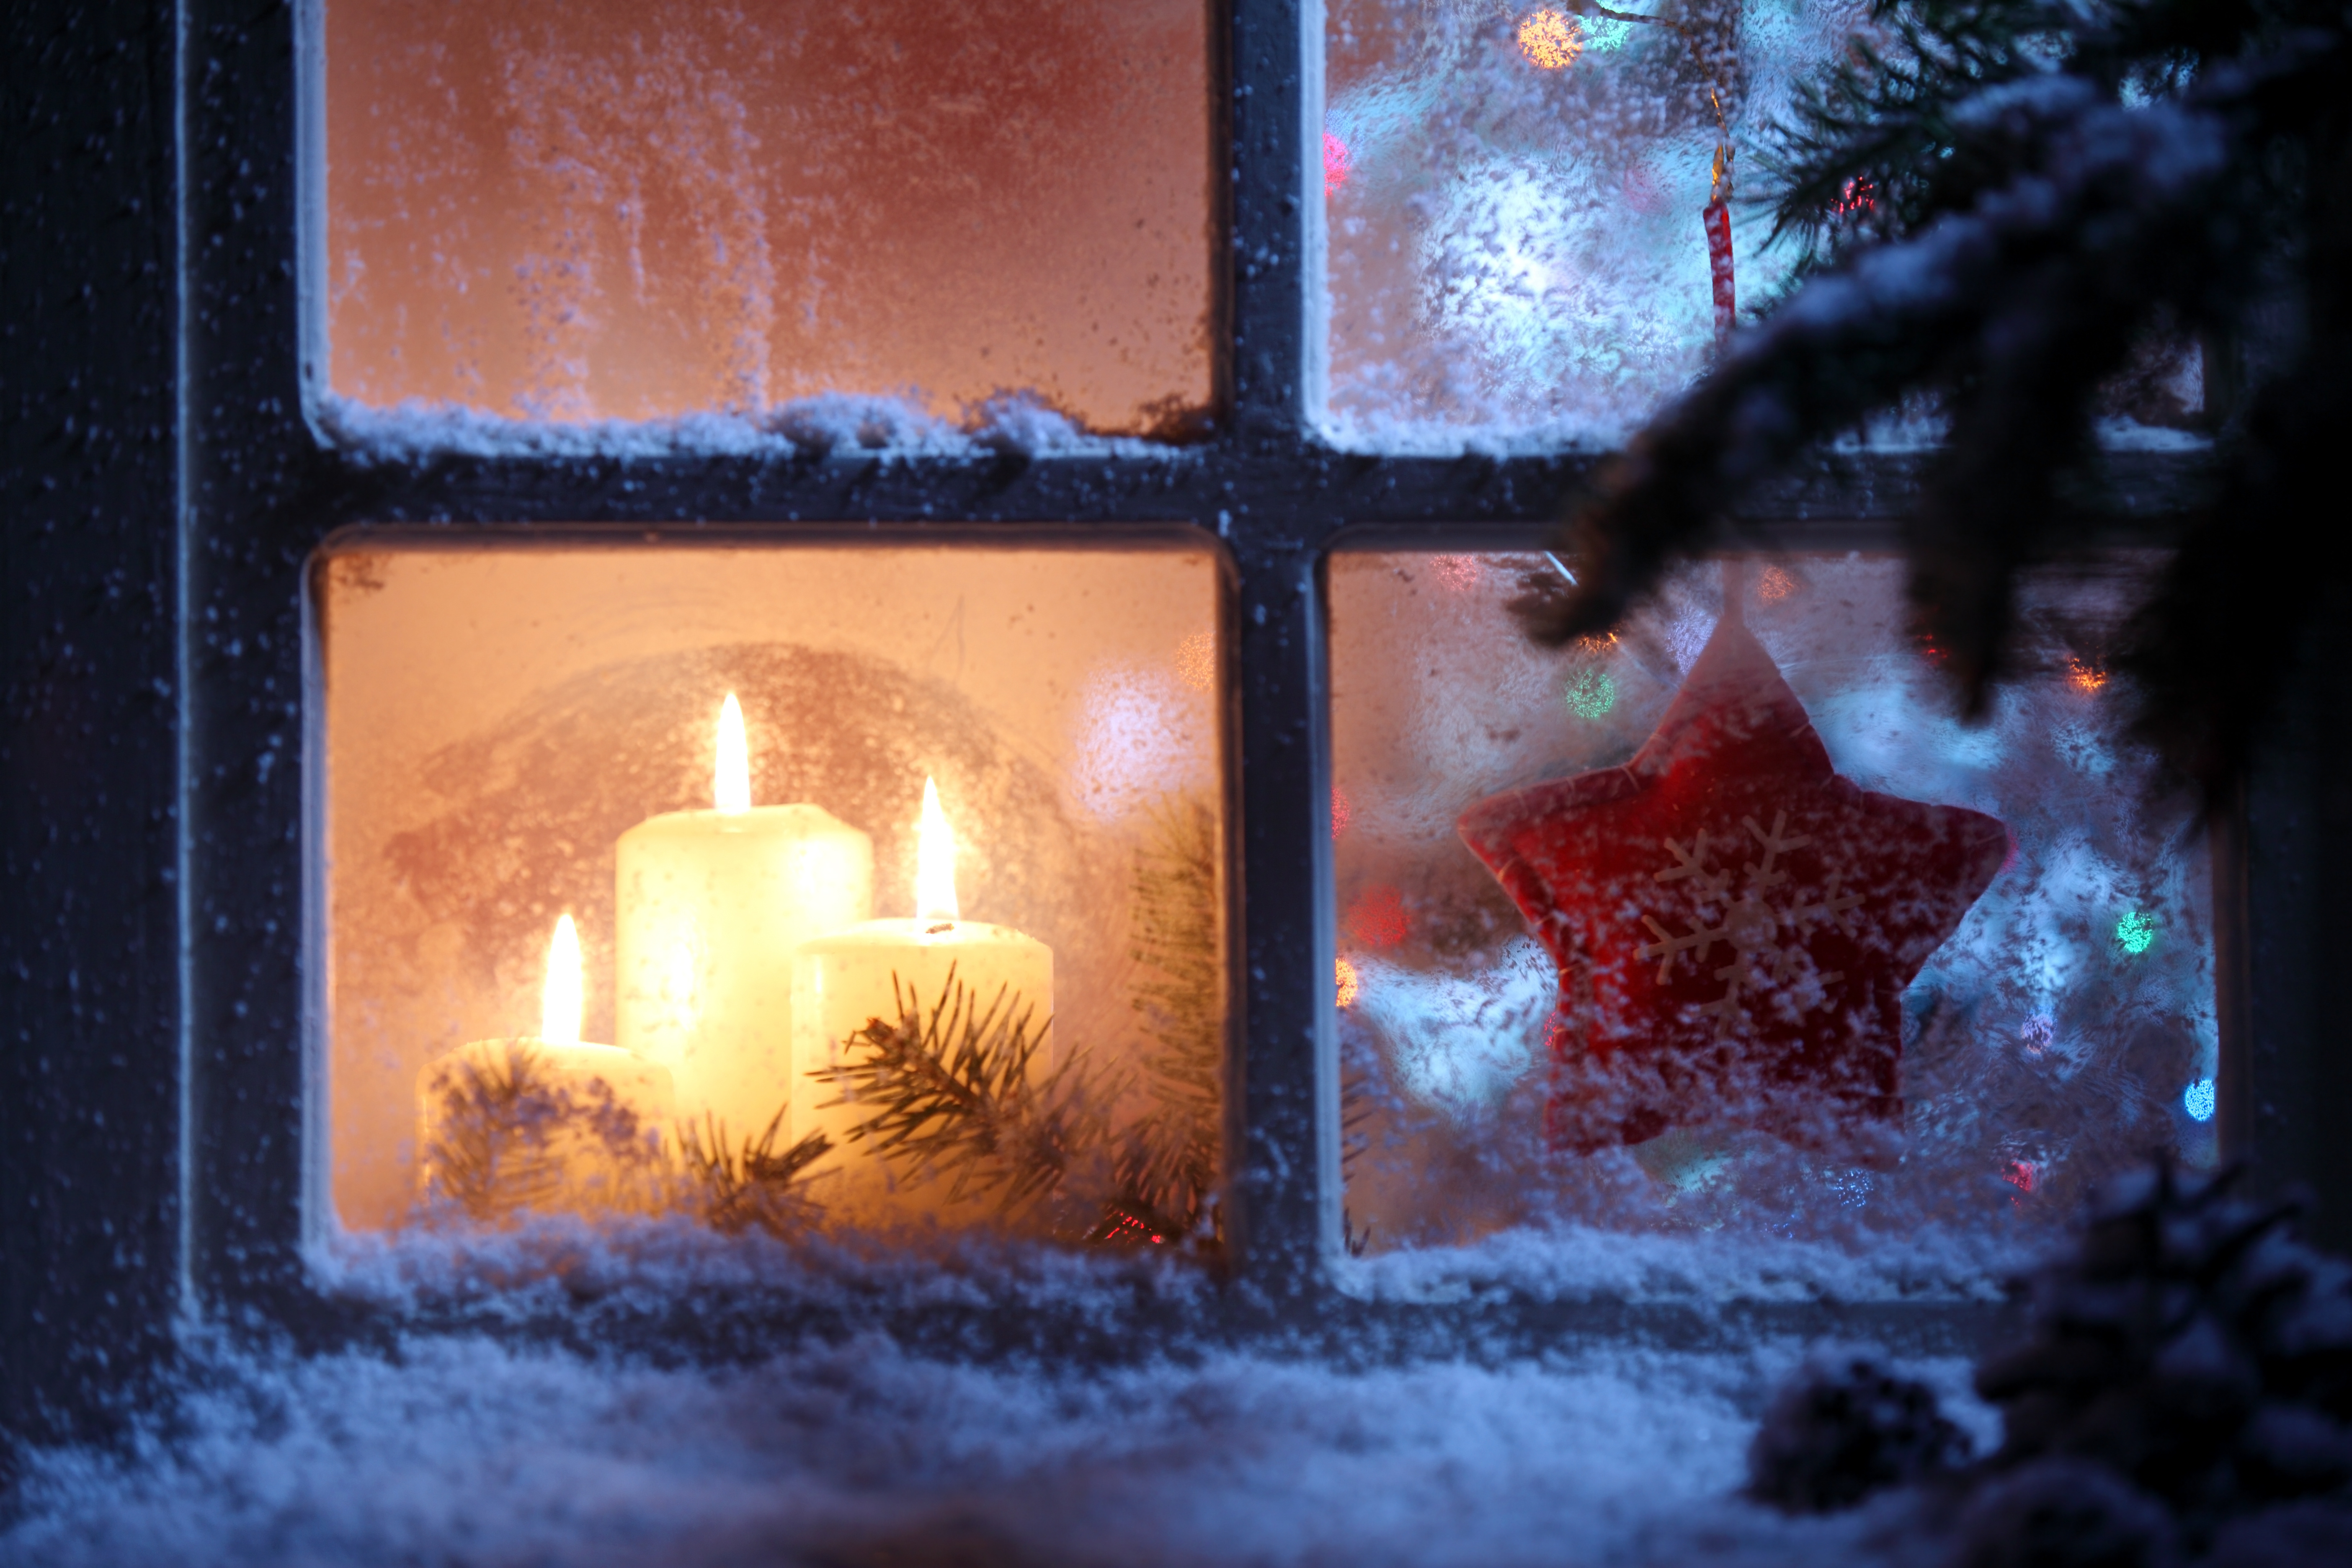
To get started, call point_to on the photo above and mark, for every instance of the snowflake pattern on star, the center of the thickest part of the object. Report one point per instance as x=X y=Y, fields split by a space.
x=1733 y=923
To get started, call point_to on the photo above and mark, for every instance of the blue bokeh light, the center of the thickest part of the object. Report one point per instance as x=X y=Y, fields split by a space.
x=2198 y=1100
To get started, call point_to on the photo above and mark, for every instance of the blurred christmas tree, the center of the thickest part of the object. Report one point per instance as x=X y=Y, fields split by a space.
x=2004 y=203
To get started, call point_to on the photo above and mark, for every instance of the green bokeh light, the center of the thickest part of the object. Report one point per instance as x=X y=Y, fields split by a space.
x=2136 y=931
x=1590 y=693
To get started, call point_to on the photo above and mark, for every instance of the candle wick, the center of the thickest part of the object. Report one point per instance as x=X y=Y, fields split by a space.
x=943 y=925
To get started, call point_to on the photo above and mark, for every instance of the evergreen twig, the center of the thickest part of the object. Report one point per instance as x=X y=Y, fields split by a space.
x=752 y=1186
x=952 y=1097
x=1166 y=1164
x=510 y=1138
x=2030 y=190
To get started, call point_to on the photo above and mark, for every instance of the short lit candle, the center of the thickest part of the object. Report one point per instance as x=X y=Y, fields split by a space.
x=712 y=906
x=843 y=981
x=575 y=1089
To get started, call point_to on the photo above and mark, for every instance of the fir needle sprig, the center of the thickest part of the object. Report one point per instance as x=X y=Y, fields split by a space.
x=950 y=1096
x=510 y=1138
x=754 y=1185
x=1167 y=1162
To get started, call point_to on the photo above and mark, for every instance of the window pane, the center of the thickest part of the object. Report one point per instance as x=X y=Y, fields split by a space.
x=635 y=856
x=1516 y=202
x=606 y=209
x=1725 y=927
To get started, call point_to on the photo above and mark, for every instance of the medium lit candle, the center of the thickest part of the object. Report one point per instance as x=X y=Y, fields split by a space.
x=543 y=1120
x=842 y=981
x=712 y=906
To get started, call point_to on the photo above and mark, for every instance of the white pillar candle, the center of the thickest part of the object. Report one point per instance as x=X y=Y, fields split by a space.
x=712 y=906
x=587 y=1132
x=842 y=981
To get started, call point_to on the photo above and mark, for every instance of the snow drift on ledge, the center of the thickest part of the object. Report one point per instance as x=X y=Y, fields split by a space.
x=463 y=1450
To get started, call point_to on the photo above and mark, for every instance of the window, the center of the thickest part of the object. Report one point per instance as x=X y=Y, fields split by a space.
x=637 y=451
x=1724 y=926
x=894 y=219
x=721 y=807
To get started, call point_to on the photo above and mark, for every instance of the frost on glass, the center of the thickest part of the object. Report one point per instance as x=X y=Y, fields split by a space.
x=2064 y=1028
x=623 y=847
x=1518 y=204
x=609 y=210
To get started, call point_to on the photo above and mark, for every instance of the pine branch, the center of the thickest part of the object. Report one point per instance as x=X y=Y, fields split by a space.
x=1167 y=1162
x=2046 y=227
x=1876 y=148
x=489 y=1155
x=752 y=1186
x=954 y=1098
x=510 y=1138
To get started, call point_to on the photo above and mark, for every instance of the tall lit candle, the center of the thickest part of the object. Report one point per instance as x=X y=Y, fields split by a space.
x=545 y=1119
x=842 y=981
x=712 y=906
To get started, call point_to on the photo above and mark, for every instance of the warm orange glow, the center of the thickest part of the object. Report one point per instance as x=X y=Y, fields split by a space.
x=559 y=1011
x=1196 y=661
x=1775 y=586
x=2085 y=678
x=935 y=850
x=937 y=140
x=1550 y=40
x=1350 y=984
x=732 y=787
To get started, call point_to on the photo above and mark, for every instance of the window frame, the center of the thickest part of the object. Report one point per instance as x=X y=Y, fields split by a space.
x=261 y=488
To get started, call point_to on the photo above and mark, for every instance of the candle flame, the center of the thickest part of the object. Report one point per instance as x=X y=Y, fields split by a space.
x=560 y=1003
x=935 y=848
x=732 y=788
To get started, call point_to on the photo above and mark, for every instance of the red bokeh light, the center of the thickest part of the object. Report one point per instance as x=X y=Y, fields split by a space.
x=1858 y=197
x=1378 y=918
x=1337 y=162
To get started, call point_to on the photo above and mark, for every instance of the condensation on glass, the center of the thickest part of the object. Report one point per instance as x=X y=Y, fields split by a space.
x=1518 y=204
x=1714 y=1060
x=626 y=848
x=1538 y=222
x=609 y=210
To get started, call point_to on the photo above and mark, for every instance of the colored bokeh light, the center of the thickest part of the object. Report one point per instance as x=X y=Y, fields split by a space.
x=1589 y=693
x=1550 y=40
x=1775 y=586
x=2198 y=1100
x=2136 y=931
x=1341 y=811
x=2085 y=677
x=1349 y=983
x=1337 y=163
x=2022 y=1174
x=1378 y=918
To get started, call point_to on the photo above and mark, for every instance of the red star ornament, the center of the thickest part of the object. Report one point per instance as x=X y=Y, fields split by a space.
x=1734 y=923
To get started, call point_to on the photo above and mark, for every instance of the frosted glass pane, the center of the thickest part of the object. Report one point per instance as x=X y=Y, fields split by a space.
x=1515 y=200
x=1927 y=980
x=516 y=738
x=610 y=209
